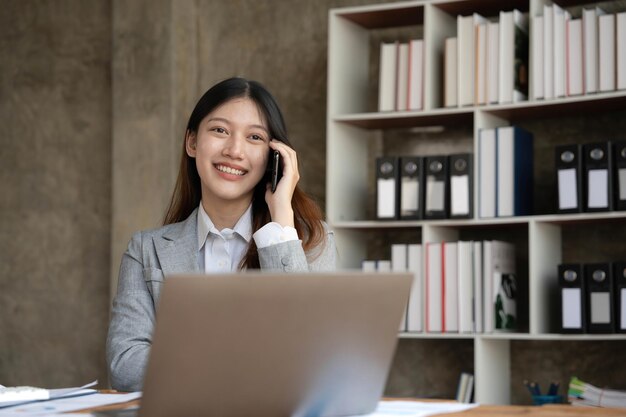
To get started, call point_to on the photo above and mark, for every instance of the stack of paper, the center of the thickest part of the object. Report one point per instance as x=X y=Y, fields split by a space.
x=582 y=393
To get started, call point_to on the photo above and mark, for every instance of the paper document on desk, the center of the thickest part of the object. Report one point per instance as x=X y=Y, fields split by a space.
x=55 y=394
x=417 y=408
x=63 y=405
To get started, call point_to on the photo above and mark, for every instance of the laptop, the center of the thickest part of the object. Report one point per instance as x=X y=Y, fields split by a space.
x=259 y=344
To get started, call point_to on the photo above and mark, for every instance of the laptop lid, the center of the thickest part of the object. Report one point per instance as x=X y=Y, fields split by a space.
x=311 y=344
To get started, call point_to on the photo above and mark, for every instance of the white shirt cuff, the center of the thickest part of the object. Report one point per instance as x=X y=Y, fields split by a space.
x=272 y=234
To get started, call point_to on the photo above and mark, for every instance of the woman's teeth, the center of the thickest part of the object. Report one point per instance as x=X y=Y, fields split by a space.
x=229 y=170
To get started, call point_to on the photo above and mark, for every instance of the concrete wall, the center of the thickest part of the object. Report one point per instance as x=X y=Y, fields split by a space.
x=94 y=98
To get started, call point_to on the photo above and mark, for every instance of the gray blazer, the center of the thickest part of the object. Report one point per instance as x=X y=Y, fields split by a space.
x=150 y=257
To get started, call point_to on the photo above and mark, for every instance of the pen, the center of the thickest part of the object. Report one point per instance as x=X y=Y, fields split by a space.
x=554 y=388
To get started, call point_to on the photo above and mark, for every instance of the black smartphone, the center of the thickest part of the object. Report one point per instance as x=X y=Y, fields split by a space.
x=274 y=168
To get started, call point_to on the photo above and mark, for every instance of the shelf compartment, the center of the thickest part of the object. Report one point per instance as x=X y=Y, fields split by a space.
x=384 y=16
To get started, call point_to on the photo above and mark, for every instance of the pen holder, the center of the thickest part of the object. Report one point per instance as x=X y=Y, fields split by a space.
x=547 y=399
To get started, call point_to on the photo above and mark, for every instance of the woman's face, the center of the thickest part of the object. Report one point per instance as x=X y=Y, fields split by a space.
x=231 y=149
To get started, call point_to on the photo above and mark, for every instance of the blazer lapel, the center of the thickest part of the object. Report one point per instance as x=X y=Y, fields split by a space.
x=177 y=249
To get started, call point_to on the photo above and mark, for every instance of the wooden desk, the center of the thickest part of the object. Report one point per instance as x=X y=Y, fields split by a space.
x=548 y=410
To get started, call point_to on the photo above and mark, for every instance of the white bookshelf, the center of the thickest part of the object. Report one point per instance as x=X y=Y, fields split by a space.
x=353 y=129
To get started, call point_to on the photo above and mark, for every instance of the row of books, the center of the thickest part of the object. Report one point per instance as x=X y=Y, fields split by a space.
x=593 y=297
x=428 y=187
x=505 y=172
x=591 y=177
x=401 y=76
x=468 y=286
x=574 y=56
x=487 y=62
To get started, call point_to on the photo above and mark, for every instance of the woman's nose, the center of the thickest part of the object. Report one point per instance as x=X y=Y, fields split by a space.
x=234 y=147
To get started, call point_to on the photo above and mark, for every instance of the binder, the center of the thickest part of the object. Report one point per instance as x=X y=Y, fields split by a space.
x=572 y=296
x=619 y=152
x=436 y=197
x=599 y=281
x=487 y=185
x=514 y=171
x=387 y=188
x=450 y=279
x=411 y=187
x=434 y=287
x=460 y=173
x=598 y=176
x=569 y=172
x=619 y=277
x=415 y=315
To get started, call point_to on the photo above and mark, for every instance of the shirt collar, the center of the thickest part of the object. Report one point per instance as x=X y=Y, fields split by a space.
x=205 y=226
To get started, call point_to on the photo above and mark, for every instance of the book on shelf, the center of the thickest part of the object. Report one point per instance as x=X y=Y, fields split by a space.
x=480 y=64
x=465 y=388
x=399 y=264
x=402 y=77
x=513 y=56
x=606 y=52
x=548 y=51
x=560 y=17
x=581 y=393
x=487 y=173
x=466 y=34
x=465 y=273
x=590 y=48
x=416 y=75
x=537 y=56
x=574 y=52
x=387 y=76
x=434 y=287
x=450 y=73
x=477 y=279
x=620 y=39
x=493 y=62
x=450 y=279
x=500 y=306
x=415 y=316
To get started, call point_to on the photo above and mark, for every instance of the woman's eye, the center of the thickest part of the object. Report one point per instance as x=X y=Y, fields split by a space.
x=218 y=130
x=256 y=137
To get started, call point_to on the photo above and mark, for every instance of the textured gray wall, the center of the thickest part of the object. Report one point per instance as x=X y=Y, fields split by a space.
x=55 y=169
x=94 y=97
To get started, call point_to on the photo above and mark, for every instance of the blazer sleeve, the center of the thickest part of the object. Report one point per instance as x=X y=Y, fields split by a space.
x=132 y=322
x=290 y=256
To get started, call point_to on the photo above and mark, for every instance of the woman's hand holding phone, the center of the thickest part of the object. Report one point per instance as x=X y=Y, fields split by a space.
x=279 y=201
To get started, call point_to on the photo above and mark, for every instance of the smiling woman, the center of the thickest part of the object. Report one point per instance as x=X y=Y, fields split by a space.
x=223 y=216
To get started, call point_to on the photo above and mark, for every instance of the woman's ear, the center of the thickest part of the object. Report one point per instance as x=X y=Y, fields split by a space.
x=190 y=143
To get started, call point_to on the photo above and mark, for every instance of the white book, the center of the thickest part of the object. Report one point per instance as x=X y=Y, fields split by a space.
x=416 y=74
x=402 y=77
x=537 y=57
x=415 y=316
x=548 y=49
x=493 y=61
x=451 y=90
x=590 y=48
x=487 y=173
x=560 y=17
x=383 y=266
x=503 y=302
x=477 y=265
x=574 y=51
x=466 y=34
x=387 y=77
x=450 y=322
x=480 y=62
x=434 y=288
x=513 y=36
x=606 y=46
x=368 y=266
x=488 y=312
x=399 y=264
x=466 y=286
x=621 y=50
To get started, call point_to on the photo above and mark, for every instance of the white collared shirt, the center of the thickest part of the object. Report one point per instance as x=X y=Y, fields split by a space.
x=222 y=251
